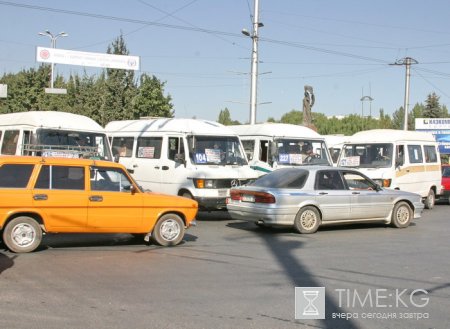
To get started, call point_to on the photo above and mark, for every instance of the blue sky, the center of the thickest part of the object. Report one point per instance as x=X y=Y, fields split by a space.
x=341 y=48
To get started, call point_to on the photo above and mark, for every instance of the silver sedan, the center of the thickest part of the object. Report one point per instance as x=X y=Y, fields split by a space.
x=309 y=197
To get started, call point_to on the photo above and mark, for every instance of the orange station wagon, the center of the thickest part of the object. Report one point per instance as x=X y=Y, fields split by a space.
x=41 y=195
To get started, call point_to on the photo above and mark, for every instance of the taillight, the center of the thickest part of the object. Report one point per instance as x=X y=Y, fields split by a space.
x=251 y=196
x=262 y=197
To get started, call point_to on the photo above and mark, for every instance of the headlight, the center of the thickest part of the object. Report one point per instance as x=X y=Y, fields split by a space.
x=383 y=182
x=205 y=183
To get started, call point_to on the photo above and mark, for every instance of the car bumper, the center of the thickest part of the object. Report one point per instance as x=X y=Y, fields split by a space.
x=267 y=216
x=211 y=203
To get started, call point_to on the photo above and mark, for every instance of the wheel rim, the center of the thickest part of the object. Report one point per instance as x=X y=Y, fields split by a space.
x=170 y=229
x=308 y=219
x=403 y=215
x=23 y=235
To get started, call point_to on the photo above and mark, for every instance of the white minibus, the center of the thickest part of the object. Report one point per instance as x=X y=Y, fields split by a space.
x=198 y=159
x=52 y=133
x=335 y=143
x=398 y=159
x=269 y=146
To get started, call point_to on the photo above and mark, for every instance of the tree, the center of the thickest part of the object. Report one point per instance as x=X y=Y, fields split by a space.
x=225 y=117
x=432 y=107
x=119 y=87
x=150 y=100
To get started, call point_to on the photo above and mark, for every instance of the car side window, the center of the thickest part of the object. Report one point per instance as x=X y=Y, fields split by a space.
x=15 y=175
x=60 y=178
x=109 y=179
x=355 y=181
x=329 y=180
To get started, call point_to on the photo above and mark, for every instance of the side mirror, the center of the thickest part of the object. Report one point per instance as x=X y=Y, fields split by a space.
x=116 y=158
x=398 y=163
x=132 y=189
x=179 y=158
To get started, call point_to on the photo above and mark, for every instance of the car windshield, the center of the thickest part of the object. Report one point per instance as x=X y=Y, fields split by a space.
x=299 y=152
x=54 y=142
x=283 y=178
x=217 y=150
x=373 y=155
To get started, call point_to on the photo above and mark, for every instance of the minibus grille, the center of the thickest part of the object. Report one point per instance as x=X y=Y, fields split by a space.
x=228 y=183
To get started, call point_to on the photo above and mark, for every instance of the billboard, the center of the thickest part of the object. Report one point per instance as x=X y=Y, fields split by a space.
x=440 y=128
x=71 y=57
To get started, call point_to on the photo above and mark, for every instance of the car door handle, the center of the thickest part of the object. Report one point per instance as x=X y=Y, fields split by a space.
x=131 y=171
x=323 y=193
x=39 y=197
x=96 y=198
x=156 y=167
x=165 y=168
x=135 y=166
x=356 y=193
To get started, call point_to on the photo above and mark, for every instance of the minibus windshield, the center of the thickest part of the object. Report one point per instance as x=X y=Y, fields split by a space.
x=218 y=150
x=299 y=152
x=370 y=155
x=51 y=142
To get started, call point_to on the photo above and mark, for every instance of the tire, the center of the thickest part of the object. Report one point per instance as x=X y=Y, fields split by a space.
x=186 y=194
x=430 y=200
x=22 y=234
x=169 y=230
x=402 y=215
x=307 y=220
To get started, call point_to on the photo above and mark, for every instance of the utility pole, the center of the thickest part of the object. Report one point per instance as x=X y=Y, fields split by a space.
x=254 y=68
x=407 y=61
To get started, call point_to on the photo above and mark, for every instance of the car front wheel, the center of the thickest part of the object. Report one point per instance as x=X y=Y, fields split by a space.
x=169 y=230
x=22 y=234
x=402 y=215
x=307 y=220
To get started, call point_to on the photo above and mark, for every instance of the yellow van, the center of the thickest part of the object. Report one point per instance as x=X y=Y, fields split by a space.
x=60 y=195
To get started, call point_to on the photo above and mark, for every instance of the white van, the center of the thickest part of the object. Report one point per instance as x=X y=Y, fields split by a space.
x=398 y=159
x=198 y=159
x=335 y=144
x=275 y=145
x=52 y=133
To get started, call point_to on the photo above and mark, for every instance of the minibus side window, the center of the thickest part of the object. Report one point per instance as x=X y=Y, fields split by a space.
x=415 y=154
x=10 y=139
x=430 y=153
x=175 y=147
x=122 y=146
x=249 y=147
x=149 y=147
x=400 y=155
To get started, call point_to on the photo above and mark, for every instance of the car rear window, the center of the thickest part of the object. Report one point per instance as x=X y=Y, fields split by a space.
x=283 y=178
x=15 y=175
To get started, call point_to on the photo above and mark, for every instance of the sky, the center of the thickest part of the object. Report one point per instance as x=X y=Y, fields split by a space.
x=343 y=49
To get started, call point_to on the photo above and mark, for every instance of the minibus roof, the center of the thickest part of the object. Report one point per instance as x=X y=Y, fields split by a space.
x=390 y=136
x=50 y=119
x=284 y=130
x=174 y=125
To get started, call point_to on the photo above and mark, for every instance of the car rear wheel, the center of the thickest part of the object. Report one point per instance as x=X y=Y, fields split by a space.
x=169 y=230
x=430 y=200
x=401 y=215
x=22 y=234
x=307 y=220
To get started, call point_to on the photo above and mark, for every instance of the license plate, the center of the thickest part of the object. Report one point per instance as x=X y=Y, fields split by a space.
x=248 y=198
x=224 y=193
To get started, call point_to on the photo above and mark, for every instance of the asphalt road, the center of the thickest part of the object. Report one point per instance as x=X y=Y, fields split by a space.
x=231 y=274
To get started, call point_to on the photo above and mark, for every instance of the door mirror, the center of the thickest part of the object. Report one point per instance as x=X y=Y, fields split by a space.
x=179 y=158
x=116 y=158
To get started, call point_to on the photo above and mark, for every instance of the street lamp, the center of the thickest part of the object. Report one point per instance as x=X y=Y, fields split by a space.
x=53 y=38
x=254 y=69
